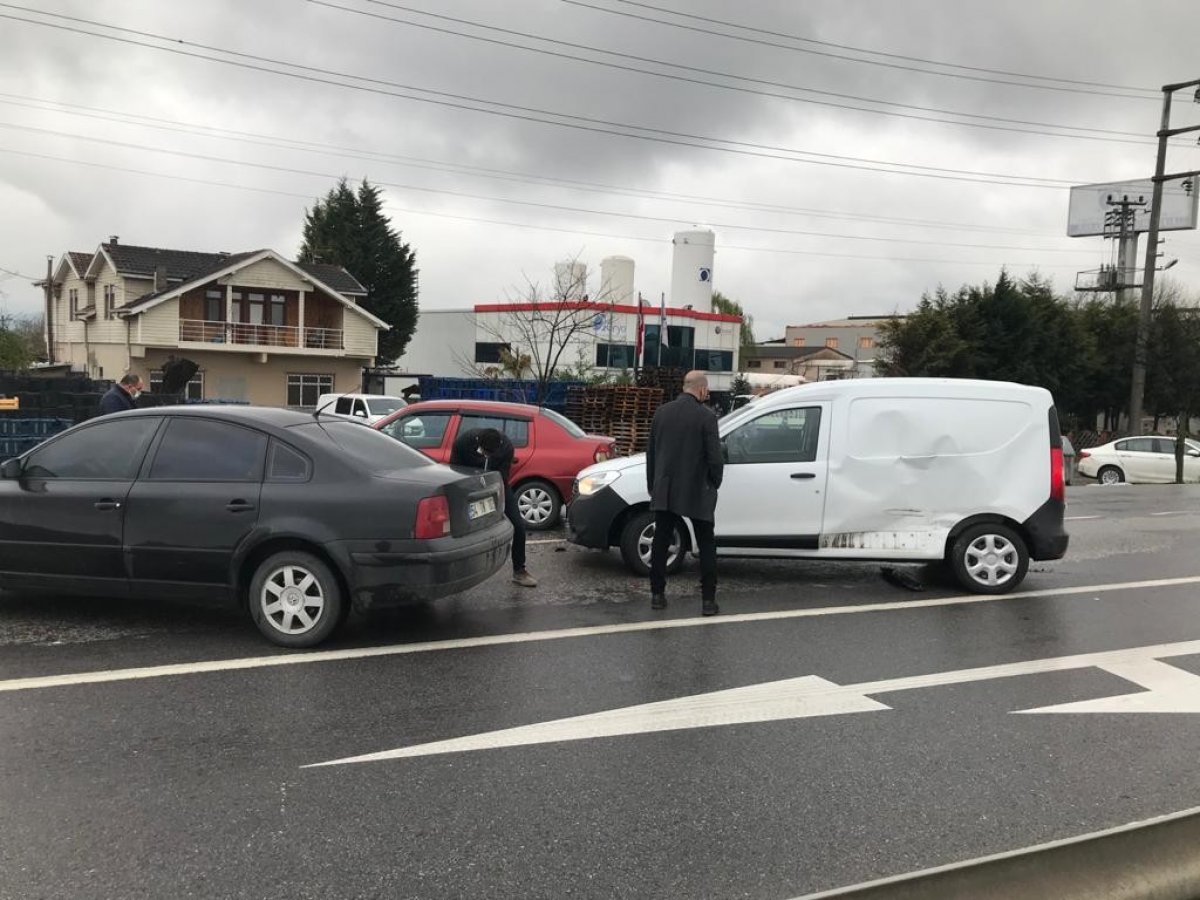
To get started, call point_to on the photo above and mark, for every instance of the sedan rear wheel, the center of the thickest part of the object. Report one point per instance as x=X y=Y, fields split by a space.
x=1110 y=475
x=295 y=600
x=539 y=505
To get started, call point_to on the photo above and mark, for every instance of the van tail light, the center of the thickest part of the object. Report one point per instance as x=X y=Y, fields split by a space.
x=1058 y=488
x=433 y=518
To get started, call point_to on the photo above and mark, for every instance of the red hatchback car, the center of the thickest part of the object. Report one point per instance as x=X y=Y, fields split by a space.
x=550 y=449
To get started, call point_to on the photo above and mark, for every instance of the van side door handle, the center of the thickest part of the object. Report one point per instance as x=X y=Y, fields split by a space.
x=238 y=506
x=800 y=476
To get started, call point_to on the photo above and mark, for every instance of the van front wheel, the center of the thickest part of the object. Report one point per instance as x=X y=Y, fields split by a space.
x=990 y=558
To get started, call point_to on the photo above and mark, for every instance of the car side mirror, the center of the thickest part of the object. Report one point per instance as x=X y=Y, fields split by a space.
x=11 y=468
x=1193 y=452
x=360 y=414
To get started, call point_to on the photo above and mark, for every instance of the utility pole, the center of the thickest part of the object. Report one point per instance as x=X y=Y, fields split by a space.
x=1137 y=391
x=49 y=286
x=1121 y=219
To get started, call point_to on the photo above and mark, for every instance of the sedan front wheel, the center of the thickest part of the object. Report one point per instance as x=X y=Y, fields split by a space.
x=295 y=600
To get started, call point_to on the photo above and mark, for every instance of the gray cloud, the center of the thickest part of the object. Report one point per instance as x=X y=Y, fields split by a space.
x=227 y=200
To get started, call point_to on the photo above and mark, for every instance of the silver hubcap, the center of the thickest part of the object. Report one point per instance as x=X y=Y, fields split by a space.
x=1110 y=476
x=992 y=560
x=292 y=600
x=646 y=543
x=536 y=505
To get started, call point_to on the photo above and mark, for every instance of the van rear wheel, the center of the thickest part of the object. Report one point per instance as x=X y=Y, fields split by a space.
x=989 y=558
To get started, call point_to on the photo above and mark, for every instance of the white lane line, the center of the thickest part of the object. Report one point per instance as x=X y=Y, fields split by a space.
x=1177 y=512
x=1080 y=518
x=897 y=880
x=549 y=541
x=316 y=656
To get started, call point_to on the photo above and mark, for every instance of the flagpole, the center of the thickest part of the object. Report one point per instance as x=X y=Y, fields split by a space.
x=662 y=327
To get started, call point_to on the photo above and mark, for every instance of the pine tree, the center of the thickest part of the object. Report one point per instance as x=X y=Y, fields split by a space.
x=351 y=230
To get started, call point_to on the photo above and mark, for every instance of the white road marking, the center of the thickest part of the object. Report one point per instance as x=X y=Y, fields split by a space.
x=553 y=541
x=318 y=656
x=1080 y=518
x=996 y=857
x=1167 y=689
x=1178 y=512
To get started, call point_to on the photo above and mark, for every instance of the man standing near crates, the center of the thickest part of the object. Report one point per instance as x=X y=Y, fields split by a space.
x=121 y=396
x=684 y=468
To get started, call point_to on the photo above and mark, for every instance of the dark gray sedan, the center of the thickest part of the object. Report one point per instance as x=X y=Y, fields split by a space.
x=298 y=518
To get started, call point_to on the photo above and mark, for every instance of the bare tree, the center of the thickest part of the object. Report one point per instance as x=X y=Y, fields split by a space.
x=539 y=331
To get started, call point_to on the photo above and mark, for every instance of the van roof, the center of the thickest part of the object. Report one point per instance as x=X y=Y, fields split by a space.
x=965 y=388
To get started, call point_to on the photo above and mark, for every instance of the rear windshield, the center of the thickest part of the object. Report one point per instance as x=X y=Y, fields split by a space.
x=360 y=443
x=570 y=427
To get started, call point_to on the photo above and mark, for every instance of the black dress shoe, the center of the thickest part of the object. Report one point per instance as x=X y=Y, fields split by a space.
x=658 y=601
x=709 y=608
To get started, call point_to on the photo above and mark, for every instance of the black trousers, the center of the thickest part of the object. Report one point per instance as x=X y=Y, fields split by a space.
x=665 y=524
x=518 y=524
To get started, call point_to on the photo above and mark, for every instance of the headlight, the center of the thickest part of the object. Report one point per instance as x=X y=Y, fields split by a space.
x=590 y=484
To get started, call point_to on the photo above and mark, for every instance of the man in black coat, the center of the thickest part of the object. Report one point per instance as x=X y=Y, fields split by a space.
x=121 y=395
x=684 y=466
x=490 y=450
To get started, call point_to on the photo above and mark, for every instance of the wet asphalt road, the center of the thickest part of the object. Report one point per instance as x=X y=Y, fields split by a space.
x=192 y=784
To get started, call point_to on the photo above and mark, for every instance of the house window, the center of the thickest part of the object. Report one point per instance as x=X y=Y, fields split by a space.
x=714 y=360
x=490 y=352
x=194 y=390
x=754 y=364
x=214 y=306
x=278 y=310
x=110 y=300
x=798 y=342
x=73 y=296
x=780 y=364
x=866 y=343
x=615 y=356
x=831 y=343
x=303 y=390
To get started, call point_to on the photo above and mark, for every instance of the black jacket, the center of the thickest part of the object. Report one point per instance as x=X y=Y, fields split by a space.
x=684 y=465
x=116 y=400
x=466 y=453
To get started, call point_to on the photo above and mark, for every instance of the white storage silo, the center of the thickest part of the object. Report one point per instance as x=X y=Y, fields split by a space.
x=570 y=280
x=692 y=269
x=616 y=280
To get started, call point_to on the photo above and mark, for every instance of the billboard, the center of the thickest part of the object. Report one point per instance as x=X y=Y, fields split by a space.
x=1089 y=206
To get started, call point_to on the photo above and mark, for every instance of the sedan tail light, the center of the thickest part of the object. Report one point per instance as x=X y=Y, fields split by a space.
x=1083 y=454
x=433 y=518
x=605 y=452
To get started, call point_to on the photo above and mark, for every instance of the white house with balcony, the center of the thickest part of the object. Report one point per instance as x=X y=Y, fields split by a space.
x=262 y=328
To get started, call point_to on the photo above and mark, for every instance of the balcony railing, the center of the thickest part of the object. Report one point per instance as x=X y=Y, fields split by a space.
x=204 y=332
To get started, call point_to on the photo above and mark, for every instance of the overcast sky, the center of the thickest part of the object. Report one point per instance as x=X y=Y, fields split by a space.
x=169 y=148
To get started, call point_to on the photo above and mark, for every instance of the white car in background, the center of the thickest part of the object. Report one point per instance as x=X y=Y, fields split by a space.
x=1138 y=460
x=369 y=408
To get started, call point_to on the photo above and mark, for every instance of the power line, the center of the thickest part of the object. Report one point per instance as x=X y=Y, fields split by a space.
x=916 y=59
x=601 y=126
x=1091 y=134
x=505 y=223
x=870 y=62
x=554 y=207
x=280 y=142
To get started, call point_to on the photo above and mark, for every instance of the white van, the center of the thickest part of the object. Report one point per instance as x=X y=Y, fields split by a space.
x=368 y=408
x=899 y=469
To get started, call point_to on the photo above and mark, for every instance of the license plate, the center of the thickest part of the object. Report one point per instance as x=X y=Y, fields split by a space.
x=479 y=508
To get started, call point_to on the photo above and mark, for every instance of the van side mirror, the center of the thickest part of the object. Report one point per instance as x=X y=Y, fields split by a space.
x=11 y=468
x=1191 y=452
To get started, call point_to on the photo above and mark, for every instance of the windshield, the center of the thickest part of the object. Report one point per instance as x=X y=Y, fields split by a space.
x=383 y=406
x=559 y=419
